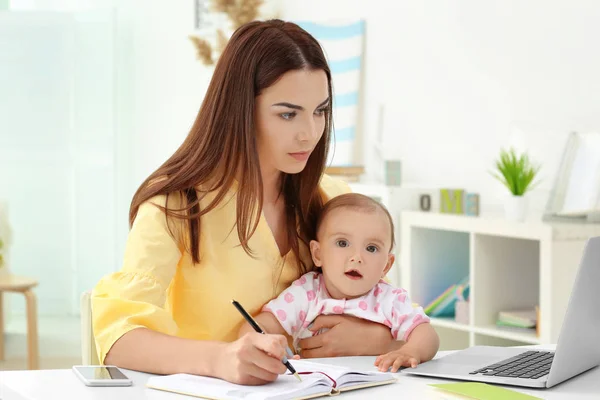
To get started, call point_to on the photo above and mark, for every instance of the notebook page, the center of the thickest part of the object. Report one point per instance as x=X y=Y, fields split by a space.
x=357 y=378
x=285 y=387
x=333 y=371
x=342 y=375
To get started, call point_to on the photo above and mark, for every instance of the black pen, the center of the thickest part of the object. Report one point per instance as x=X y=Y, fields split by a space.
x=257 y=328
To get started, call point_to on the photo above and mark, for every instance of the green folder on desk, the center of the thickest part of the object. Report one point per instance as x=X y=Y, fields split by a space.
x=482 y=391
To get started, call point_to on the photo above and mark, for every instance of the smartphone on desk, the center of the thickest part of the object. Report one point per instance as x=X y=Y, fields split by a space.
x=101 y=375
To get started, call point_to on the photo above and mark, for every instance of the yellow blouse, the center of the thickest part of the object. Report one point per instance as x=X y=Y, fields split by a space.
x=160 y=288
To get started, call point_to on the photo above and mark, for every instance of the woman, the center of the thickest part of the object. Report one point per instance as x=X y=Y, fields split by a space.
x=228 y=216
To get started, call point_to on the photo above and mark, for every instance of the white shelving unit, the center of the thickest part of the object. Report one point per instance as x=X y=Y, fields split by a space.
x=510 y=266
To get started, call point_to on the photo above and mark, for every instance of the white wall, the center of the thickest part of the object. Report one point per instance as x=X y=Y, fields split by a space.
x=461 y=79
x=457 y=80
x=56 y=150
x=169 y=83
x=164 y=86
x=159 y=85
x=118 y=127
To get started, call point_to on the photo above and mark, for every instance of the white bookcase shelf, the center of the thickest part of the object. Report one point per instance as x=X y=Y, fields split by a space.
x=510 y=265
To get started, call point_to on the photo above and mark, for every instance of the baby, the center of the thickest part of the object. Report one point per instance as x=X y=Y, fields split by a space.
x=353 y=250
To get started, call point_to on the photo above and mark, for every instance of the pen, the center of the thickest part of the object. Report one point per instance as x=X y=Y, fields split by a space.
x=258 y=329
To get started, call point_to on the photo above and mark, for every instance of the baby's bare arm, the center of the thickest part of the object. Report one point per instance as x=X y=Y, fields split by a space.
x=422 y=345
x=423 y=341
x=267 y=322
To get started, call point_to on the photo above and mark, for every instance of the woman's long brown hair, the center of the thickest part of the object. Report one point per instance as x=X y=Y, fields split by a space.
x=221 y=145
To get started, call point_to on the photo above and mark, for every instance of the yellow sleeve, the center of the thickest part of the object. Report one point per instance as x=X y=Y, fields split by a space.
x=135 y=296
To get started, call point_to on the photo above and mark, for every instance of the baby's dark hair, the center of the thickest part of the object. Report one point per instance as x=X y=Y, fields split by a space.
x=358 y=202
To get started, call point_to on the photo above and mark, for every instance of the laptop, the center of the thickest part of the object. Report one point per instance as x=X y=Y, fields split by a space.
x=577 y=350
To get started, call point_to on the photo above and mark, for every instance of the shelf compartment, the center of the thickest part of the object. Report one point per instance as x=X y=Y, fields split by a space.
x=528 y=337
x=481 y=339
x=521 y=337
x=506 y=276
x=439 y=259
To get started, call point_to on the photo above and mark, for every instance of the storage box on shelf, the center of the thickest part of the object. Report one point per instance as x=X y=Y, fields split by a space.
x=510 y=266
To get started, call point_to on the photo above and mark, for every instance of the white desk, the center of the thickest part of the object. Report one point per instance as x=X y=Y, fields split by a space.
x=63 y=384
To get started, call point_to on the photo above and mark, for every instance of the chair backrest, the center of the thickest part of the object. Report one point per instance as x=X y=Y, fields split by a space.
x=89 y=356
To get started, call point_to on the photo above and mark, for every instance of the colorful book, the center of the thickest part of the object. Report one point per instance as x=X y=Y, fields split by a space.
x=444 y=305
x=518 y=318
x=431 y=306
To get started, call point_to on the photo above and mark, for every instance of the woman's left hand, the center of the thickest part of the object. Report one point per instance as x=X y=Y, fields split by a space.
x=347 y=336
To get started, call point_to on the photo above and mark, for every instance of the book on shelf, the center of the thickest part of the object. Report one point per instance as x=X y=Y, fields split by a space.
x=317 y=380
x=444 y=304
x=518 y=318
x=436 y=302
x=515 y=329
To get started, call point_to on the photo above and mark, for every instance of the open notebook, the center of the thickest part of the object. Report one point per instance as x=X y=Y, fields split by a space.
x=317 y=380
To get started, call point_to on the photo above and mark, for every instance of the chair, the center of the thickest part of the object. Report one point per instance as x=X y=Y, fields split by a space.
x=89 y=356
x=19 y=284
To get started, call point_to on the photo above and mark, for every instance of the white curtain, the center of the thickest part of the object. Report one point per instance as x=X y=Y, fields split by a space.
x=57 y=151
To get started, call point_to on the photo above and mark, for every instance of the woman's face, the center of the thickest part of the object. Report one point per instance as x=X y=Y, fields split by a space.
x=290 y=120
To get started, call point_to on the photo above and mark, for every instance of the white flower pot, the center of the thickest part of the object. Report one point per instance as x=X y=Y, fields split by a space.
x=515 y=208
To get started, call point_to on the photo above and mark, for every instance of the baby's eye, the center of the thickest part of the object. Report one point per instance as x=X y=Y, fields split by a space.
x=372 y=249
x=288 y=115
x=342 y=243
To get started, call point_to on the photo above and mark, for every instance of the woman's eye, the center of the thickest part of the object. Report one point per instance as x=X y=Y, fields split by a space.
x=288 y=115
x=372 y=249
x=341 y=243
x=321 y=111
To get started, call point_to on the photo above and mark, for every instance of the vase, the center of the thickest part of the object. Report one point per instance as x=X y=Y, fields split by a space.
x=515 y=208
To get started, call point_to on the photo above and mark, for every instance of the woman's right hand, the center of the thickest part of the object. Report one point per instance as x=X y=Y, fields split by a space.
x=253 y=359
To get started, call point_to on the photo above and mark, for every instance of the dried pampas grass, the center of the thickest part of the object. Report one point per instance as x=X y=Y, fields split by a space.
x=223 y=5
x=239 y=12
x=203 y=50
x=244 y=12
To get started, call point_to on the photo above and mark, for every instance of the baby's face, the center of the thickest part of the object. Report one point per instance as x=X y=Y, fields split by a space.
x=353 y=250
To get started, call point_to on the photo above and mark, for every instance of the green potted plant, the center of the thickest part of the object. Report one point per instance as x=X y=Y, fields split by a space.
x=517 y=172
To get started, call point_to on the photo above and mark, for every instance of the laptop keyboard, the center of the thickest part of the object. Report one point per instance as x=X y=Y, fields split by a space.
x=528 y=365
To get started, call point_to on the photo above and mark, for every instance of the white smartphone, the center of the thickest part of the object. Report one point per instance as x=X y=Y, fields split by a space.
x=101 y=375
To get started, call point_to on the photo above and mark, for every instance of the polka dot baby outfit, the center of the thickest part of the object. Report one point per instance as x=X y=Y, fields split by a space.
x=298 y=306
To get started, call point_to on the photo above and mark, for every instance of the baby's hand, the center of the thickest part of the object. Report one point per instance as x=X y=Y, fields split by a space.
x=402 y=357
